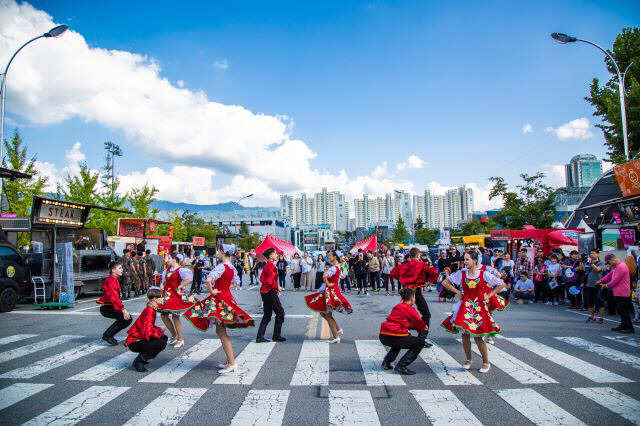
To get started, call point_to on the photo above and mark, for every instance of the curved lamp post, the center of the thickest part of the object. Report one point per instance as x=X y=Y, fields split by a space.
x=564 y=39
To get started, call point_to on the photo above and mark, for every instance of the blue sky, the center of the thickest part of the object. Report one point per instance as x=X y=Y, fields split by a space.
x=363 y=82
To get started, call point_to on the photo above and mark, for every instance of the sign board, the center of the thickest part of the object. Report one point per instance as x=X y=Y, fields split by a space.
x=628 y=177
x=131 y=228
x=53 y=212
x=198 y=241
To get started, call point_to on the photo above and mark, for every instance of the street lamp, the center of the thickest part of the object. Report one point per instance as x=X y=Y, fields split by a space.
x=564 y=39
x=53 y=32
x=242 y=198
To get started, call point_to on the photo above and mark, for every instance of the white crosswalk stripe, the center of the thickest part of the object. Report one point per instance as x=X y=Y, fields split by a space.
x=625 y=339
x=169 y=408
x=262 y=407
x=349 y=407
x=107 y=369
x=35 y=347
x=78 y=407
x=448 y=370
x=615 y=401
x=536 y=408
x=250 y=362
x=521 y=371
x=312 y=368
x=19 y=391
x=15 y=338
x=54 y=361
x=371 y=354
x=175 y=369
x=578 y=366
x=443 y=408
x=613 y=354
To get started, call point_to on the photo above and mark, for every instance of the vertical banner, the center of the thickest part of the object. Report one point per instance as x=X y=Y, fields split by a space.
x=64 y=272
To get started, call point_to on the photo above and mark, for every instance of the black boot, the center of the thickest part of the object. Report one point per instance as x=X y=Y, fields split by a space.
x=277 y=330
x=138 y=364
x=260 y=338
x=107 y=336
x=389 y=358
x=423 y=335
x=406 y=360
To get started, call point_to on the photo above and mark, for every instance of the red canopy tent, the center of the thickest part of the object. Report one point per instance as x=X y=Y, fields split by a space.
x=281 y=246
x=547 y=238
x=368 y=244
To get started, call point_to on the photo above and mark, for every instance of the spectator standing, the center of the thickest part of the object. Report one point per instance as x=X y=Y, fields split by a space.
x=361 y=273
x=305 y=266
x=374 y=271
x=619 y=280
x=523 y=290
x=388 y=262
x=239 y=265
x=320 y=266
x=571 y=276
x=592 y=295
x=540 y=280
x=344 y=274
x=554 y=270
x=281 y=266
x=296 y=271
x=508 y=265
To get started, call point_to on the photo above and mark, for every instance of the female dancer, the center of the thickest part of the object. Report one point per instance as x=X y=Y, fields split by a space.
x=174 y=281
x=220 y=307
x=329 y=298
x=472 y=314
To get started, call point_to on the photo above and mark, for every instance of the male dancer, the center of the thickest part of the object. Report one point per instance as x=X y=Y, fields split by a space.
x=269 y=291
x=112 y=306
x=414 y=274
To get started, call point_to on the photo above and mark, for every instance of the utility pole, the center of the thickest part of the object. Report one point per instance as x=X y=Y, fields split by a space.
x=113 y=150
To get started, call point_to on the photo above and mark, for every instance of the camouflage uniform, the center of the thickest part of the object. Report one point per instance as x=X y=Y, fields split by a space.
x=137 y=283
x=150 y=269
x=126 y=280
x=142 y=274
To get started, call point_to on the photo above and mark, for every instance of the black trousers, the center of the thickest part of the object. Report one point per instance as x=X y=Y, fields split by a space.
x=344 y=281
x=271 y=304
x=374 y=279
x=107 y=311
x=196 y=286
x=296 y=279
x=623 y=306
x=362 y=283
x=149 y=349
x=396 y=343
x=282 y=276
x=319 y=279
x=422 y=307
x=540 y=290
x=386 y=280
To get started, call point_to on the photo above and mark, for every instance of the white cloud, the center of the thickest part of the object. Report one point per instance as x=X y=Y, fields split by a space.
x=221 y=64
x=180 y=83
x=49 y=171
x=527 y=128
x=381 y=170
x=412 y=162
x=575 y=129
x=555 y=174
x=606 y=166
x=74 y=157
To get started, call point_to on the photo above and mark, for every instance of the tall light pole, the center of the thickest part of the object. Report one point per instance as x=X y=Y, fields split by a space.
x=564 y=39
x=53 y=32
x=113 y=150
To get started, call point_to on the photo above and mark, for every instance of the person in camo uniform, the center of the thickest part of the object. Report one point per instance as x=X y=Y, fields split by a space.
x=125 y=279
x=141 y=267
x=150 y=268
x=135 y=283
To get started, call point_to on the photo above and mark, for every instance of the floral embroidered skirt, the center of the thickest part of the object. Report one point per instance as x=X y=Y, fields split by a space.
x=472 y=316
x=327 y=301
x=176 y=302
x=220 y=309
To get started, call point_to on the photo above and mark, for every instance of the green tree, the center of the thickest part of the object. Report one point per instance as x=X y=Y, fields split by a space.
x=606 y=99
x=531 y=204
x=475 y=227
x=244 y=229
x=81 y=189
x=20 y=192
x=141 y=199
x=426 y=236
x=400 y=233
x=419 y=223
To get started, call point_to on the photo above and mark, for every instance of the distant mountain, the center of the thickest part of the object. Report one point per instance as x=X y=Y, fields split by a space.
x=229 y=207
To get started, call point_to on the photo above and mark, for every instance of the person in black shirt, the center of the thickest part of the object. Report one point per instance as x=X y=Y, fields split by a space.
x=360 y=269
x=198 y=264
x=281 y=266
x=453 y=259
x=239 y=265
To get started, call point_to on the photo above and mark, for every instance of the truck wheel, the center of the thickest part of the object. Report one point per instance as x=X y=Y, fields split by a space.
x=8 y=299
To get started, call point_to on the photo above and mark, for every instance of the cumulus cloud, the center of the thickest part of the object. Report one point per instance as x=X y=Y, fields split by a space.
x=221 y=64
x=380 y=170
x=412 y=162
x=180 y=83
x=527 y=128
x=556 y=175
x=575 y=129
x=606 y=166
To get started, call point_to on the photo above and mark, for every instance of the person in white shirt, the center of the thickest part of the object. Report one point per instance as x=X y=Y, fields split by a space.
x=524 y=289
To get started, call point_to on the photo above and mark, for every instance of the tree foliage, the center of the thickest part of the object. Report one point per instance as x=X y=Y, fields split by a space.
x=475 y=227
x=531 y=204
x=606 y=99
x=140 y=200
x=400 y=233
x=426 y=236
x=81 y=188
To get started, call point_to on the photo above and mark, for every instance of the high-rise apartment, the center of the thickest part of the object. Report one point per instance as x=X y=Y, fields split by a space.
x=583 y=171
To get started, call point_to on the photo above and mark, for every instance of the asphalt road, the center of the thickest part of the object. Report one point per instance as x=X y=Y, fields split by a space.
x=48 y=372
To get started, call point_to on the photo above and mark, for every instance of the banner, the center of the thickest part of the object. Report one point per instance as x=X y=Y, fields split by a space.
x=64 y=274
x=152 y=226
x=198 y=241
x=628 y=177
x=131 y=228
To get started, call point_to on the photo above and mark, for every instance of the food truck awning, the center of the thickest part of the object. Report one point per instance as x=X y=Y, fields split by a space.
x=13 y=174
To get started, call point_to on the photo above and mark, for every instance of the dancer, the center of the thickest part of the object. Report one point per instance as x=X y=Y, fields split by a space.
x=472 y=314
x=270 y=294
x=220 y=307
x=144 y=337
x=394 y=332
x=414 y=274
x=329 y=298
x=112 y=306
x=174 y=281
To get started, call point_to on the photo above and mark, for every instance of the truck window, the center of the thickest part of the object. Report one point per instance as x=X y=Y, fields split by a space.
x=7 y=253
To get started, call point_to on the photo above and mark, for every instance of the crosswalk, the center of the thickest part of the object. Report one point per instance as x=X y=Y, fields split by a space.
x=527 y=363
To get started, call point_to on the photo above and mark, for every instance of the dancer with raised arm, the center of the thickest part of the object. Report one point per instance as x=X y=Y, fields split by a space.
x=270 y=294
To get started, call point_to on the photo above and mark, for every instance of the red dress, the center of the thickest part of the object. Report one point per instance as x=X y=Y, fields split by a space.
x=144 y=328
x=331 y=299
x=473 y=314
x=497 y=302
x=220 y=309
x=175 y=301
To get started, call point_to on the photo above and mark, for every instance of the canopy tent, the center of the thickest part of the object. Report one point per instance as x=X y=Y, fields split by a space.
x=368 y=244
x=547 y=238
x=281 y=246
